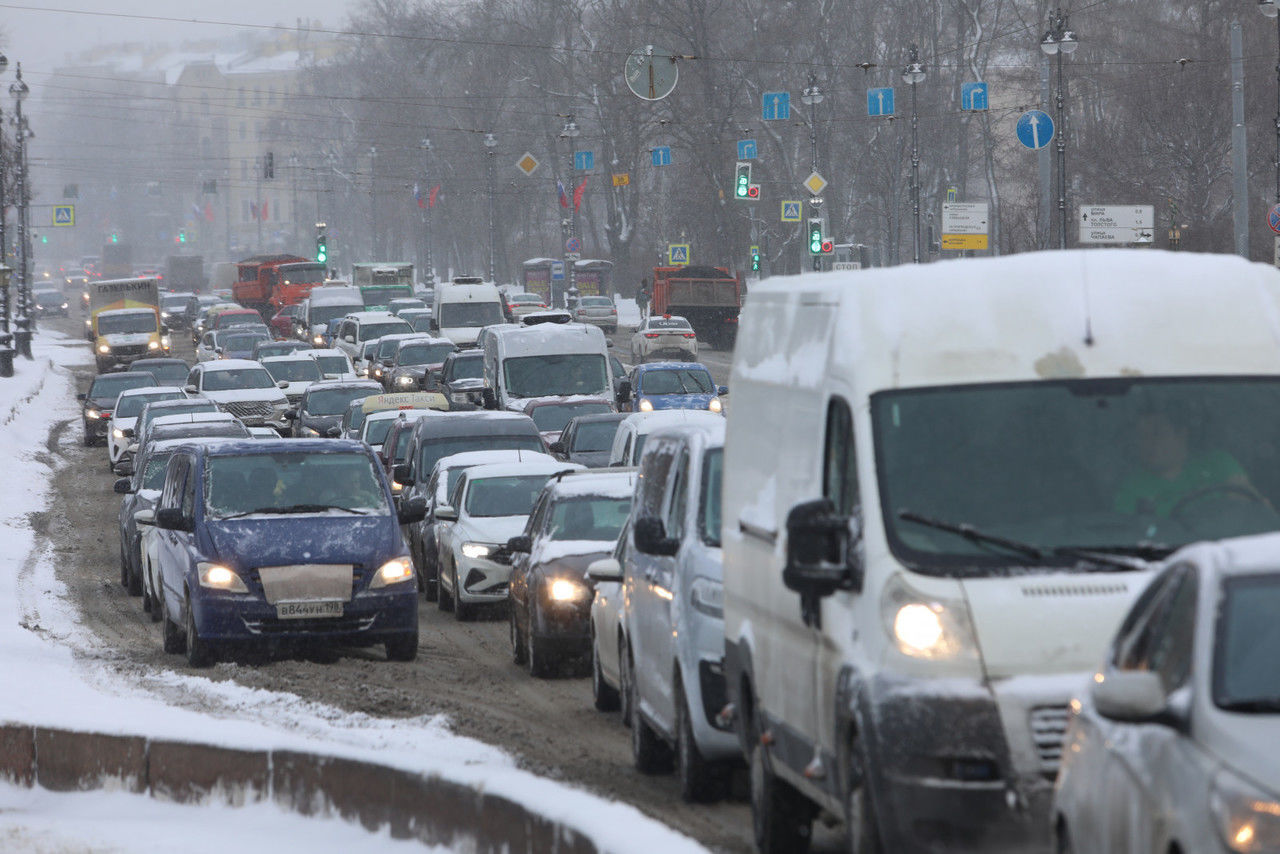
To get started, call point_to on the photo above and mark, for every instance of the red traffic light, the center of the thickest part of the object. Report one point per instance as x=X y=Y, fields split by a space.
x=828 y=247
x=753 y=191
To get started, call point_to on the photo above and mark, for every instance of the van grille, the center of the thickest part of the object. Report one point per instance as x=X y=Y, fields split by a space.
x=1048 y=729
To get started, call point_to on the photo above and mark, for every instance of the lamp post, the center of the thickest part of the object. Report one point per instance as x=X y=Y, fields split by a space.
x=571 y=132
x=1272 y=10
x=812 y=97
x=4 y=244
x=428 y=274
x=19 y=90
x=490 y=144
x=1060 y=41
x=913 y=75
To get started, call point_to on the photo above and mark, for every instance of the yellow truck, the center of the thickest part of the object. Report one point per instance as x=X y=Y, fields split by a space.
x=124 y=322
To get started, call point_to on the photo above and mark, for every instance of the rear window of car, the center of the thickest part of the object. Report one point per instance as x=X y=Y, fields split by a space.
x=668 y=323
x=369 y=331
x=596 y=302
x=110 y=385
x=131 y=405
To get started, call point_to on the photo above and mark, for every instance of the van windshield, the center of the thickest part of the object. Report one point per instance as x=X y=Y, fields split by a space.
x=320 y=315
x=123 y=324
x=455 y=315
x=562 y=373
x=1132 y=465
x=285 y=483
x=383 y=294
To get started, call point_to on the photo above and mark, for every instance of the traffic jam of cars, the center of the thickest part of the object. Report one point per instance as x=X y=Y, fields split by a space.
x=956 y=566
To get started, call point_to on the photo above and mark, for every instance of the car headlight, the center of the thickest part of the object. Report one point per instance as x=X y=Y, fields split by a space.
x=392 y=572
x=1248 y=818
x=475 y=550
x=118 y=433
x=218 y=577
x=377 y=372
x=104 y=348
x=567 y=590
x=707 y=595
x=396 y=486
x=92 y=414
x=153 y=345
x=317 y=340
x=458 y=397
x=404 y=380
x=64 y=305
x=646 y=405
x=928 y=627
x=164 y=315
x=715 y=405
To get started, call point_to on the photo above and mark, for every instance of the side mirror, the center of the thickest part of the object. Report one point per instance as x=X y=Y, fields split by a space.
x=520 y=543
x=350 y=339
x=1132 y=696
x=412 y=510
x=490 y=399
x=290 y=415
x=722 y=389
x=124 y=468
x=820 y=557
x=145 y=517
x=123 y=486
x=556 y=447
x=190 y=389
x=129 y=432
x=82 y=396
x=651 y=537
x=605 y=569
x=608 y=342
x=403 y=473
x=445 y=513
x=624 y=391
x=217 y=350
x=335 y=433
x=171 y=519
x=282 y=385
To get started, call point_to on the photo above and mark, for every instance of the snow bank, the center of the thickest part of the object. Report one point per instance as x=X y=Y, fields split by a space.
x=66 y=678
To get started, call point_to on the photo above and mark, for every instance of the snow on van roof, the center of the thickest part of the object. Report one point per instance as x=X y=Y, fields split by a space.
x=1044 y=315
x=553 y=337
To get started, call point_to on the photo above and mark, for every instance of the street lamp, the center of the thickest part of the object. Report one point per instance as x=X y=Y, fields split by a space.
x=913 y=75
x=428 y=275
x=22 y=323
x=812 y=97
x=1060 y=41
x=490 y=143
x=1272 y=10
x=571 y=132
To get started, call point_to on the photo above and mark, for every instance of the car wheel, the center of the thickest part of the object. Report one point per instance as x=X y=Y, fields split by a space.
x=781 y=821
x=624 y=680
x=650 y=753
x=700 y=781
x=149 y=591
x=604 y=694
x=461 y=610
x=430 y=581
x=861 y=834
x=444 y=600
x=173 y=640
x=541 y=665
x=402 y=647
x=124 y=568
x=133 y=580
x=518 y=652
x=88 y=437
x=199 y=651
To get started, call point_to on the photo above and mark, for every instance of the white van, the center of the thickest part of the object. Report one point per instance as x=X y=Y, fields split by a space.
x=324 y=304
x=527 y=363
x=943 y=486
x=462 y=308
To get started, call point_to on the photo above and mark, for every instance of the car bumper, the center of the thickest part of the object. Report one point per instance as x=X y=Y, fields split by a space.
x=368 y=617
x=96 y=427
x=566 y=625
x=481 y=580
x=603 y=321
x=669 y=352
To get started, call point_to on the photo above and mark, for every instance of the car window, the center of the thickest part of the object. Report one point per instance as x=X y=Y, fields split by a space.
x=171 y=495
x=592 y=517
x=1172 y=642
x=1133 y=644
x=504 y=496
x=1246 y=641
x=189 y=494
x=709 y=513
x=594 y=435
x=840 y=466
x=289 y=482
x=678 y=501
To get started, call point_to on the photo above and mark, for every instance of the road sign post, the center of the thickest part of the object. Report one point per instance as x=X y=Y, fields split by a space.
x=1117 y=225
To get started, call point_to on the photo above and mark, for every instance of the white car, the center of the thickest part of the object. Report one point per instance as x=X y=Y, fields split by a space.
x=242 y=388
x=664 y=336
x=518 y=305
x=296 y=370
x=628 y=441
x=1174 y=746
x=124 y=418
x=607 y=638
x=334 y=364
x=376 y=425
x=362 y=326
x=489 y=506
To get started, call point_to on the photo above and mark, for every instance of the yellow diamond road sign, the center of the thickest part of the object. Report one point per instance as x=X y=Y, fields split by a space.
x=815 y=183
x=527 y=164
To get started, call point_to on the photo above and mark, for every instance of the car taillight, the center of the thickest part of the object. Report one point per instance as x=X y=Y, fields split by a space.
x=651 y=335
x=613 y=311
x=542 y=305
x=691 y=335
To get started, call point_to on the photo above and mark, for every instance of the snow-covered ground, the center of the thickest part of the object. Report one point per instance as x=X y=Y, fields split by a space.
x=628 y=311
x=64 y=680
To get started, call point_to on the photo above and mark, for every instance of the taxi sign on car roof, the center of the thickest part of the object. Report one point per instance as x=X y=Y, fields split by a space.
x=405 y=400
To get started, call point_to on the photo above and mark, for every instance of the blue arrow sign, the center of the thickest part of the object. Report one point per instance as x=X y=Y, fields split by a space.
x=973 y=96
x=880 y=102
x=584 y=161
x=746 y=149
x=775 y=106
x=661 y=155
x=1035 y=129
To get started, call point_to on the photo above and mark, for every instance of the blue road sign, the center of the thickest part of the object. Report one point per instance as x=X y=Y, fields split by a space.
x=880 y=102
x=584 y=161
x=1273 y=219
x=573 y=244
x=661 y=155
x=775 y=106
x=973 y=96
x=1035 y=129
x=746 y=149
x=677 y=254
x=64 y=214
x=557 y=270
x=791 y=211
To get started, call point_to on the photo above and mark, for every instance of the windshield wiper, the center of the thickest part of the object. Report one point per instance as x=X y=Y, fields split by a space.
x=975 y=535
x=295 y=508
x=1261 y=705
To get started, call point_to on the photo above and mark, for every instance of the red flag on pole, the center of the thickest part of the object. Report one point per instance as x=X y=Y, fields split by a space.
x=577 y=195
x=431 y=198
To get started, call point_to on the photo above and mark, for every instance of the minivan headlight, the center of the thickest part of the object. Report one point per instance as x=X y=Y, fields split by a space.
x=927 y=627
x=393 y=572
x=1248 y=819
x=646 y=405
x=715 y=405
x=218 y=577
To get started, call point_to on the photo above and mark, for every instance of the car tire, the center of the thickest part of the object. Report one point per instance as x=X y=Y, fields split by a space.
x=444 y=599
x=124 y=569
x=541 y=665
x=518 y=652
x=862 y=835
x=150 y=603
x=461 y=610
x=781 y=821
x=649 y=753
x=701 y=781
x=88 y=437
x=604 y=695
x=403 y=647
x=173 y=640
x=133 y=581
x=430 y=582
x=199 y=651
x=624 y=687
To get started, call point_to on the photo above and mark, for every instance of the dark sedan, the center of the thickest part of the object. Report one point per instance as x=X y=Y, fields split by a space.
x=166 y=371
x=323 y=404
x=100 y=401
x=587 y=439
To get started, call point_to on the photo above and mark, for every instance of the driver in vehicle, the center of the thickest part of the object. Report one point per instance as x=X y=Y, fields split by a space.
x=1172 y=473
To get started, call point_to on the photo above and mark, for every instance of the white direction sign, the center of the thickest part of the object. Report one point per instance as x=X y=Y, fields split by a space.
x=1117 y=224
x=965 y=225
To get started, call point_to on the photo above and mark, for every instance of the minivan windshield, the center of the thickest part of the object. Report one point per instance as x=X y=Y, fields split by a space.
x=234 y=379
x=455 y=315
x=504 y=496
x=556 y=374
x=1133 y=465
x=124 y=324
x=287 y=482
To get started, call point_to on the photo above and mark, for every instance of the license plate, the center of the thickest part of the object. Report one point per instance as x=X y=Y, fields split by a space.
x=308 y=610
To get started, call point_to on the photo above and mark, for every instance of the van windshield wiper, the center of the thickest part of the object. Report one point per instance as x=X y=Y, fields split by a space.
x=294 y=508
x=1038 y=553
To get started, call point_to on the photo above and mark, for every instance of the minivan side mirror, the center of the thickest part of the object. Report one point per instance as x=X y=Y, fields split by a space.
x=403 y=473
x=651 y=537
x=1132 y=696
x=821 y=557
x=605 y=569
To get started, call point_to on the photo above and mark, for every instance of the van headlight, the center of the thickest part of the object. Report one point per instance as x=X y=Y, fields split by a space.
x=218 y=577
x=393 y=572
x=715 y=405
x=707 y=595
x=153 y=345
x=1248 y=819
x=646 y=405
x=928 y=627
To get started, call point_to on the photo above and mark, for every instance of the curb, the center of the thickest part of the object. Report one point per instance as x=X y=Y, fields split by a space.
x=411 y=805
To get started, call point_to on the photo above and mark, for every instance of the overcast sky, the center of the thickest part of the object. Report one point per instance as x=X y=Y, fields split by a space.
x=42 y=40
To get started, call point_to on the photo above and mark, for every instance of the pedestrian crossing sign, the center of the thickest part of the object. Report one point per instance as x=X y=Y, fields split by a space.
x=791 y=211
x=678 y=254
x=64 y=214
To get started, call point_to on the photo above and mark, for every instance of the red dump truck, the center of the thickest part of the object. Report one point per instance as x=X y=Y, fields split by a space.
x=708 y=297
x=267 y=283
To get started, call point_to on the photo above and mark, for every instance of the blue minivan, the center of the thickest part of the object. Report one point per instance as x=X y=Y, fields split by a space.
x=670 y=385
x=282 y=540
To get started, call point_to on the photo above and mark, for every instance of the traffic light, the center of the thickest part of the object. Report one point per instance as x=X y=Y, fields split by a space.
x=322 y=243
x=815 y=236
x=182 y=236
x=755 y=259
x=115 y=238
x=753 y=192
x=742 y=181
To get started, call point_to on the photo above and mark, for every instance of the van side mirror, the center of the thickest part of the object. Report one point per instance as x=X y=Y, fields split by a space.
x=820 y=556
x=605 y=569
x=403 y=473
x=651 y=537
